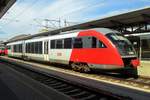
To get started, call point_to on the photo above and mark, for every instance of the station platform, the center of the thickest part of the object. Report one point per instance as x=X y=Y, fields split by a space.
x=6 y=93
x=144 y=68
x=17 y=86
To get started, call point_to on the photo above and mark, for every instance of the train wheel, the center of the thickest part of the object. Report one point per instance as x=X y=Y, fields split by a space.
x=74 y=66
x=80 y=67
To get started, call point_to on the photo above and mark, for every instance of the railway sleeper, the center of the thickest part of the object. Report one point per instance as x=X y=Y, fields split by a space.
x=52 y=82
x=47 y=81
x=66 y=89
x=72 y=91
x=57 y=84
x=61 y=86
x=88 y=97
x=79 y=94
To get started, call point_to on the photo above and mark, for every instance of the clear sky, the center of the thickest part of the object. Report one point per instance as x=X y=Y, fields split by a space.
x=27 y=16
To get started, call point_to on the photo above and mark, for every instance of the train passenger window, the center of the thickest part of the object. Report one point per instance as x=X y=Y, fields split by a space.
x=34 y=51
x=26 y=46
x=78 y=43
x=30 y=44
x=17 y=48
x=36 y=47
x=53 y=44
x=68 y=43
x=59 y=44
x=29 y=47
x=20 y=48
x=33 y=47
x=45 y=47
x=40 y=45
x=14 y=48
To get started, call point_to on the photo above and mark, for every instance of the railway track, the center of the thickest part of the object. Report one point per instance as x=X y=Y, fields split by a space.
x=141 y=81
x=140 y=84
x=75 y=91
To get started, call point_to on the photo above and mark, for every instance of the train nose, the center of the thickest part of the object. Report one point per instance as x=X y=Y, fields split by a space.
x=135 y=62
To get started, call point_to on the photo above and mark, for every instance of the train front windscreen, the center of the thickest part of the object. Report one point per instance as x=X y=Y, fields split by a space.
x=123 y=45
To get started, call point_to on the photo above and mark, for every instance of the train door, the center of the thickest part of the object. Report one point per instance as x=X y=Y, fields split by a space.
x=46 y=57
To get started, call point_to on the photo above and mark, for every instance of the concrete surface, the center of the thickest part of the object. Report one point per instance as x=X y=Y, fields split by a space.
x=6 y=93
x=136 y=93
x=144 y=68
x=16 y=86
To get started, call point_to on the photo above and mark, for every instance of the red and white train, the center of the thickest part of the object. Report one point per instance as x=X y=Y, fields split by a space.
x=3 y=50
x=99 y=48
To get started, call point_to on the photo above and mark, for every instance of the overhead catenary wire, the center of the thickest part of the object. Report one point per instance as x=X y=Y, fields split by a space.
x=22 y=12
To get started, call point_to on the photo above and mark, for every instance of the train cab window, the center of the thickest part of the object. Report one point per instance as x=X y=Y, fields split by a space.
x=78 y=43
x=59 y=44
x=53 y=42
x=87 y=42
x=68 y=43
x=101 y=44
x=94 y=42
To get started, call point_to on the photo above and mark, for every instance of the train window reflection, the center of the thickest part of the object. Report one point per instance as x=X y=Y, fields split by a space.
x=53 y=44
x=101 y=45
x=59 y=44
x=68 y=43
x=78 y=43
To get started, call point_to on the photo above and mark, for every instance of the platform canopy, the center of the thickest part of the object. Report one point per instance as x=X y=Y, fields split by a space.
x=130 y=22
x=5 y=5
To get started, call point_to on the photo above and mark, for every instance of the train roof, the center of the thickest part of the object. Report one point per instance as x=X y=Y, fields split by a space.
x=66 y=35
x=17 y=42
